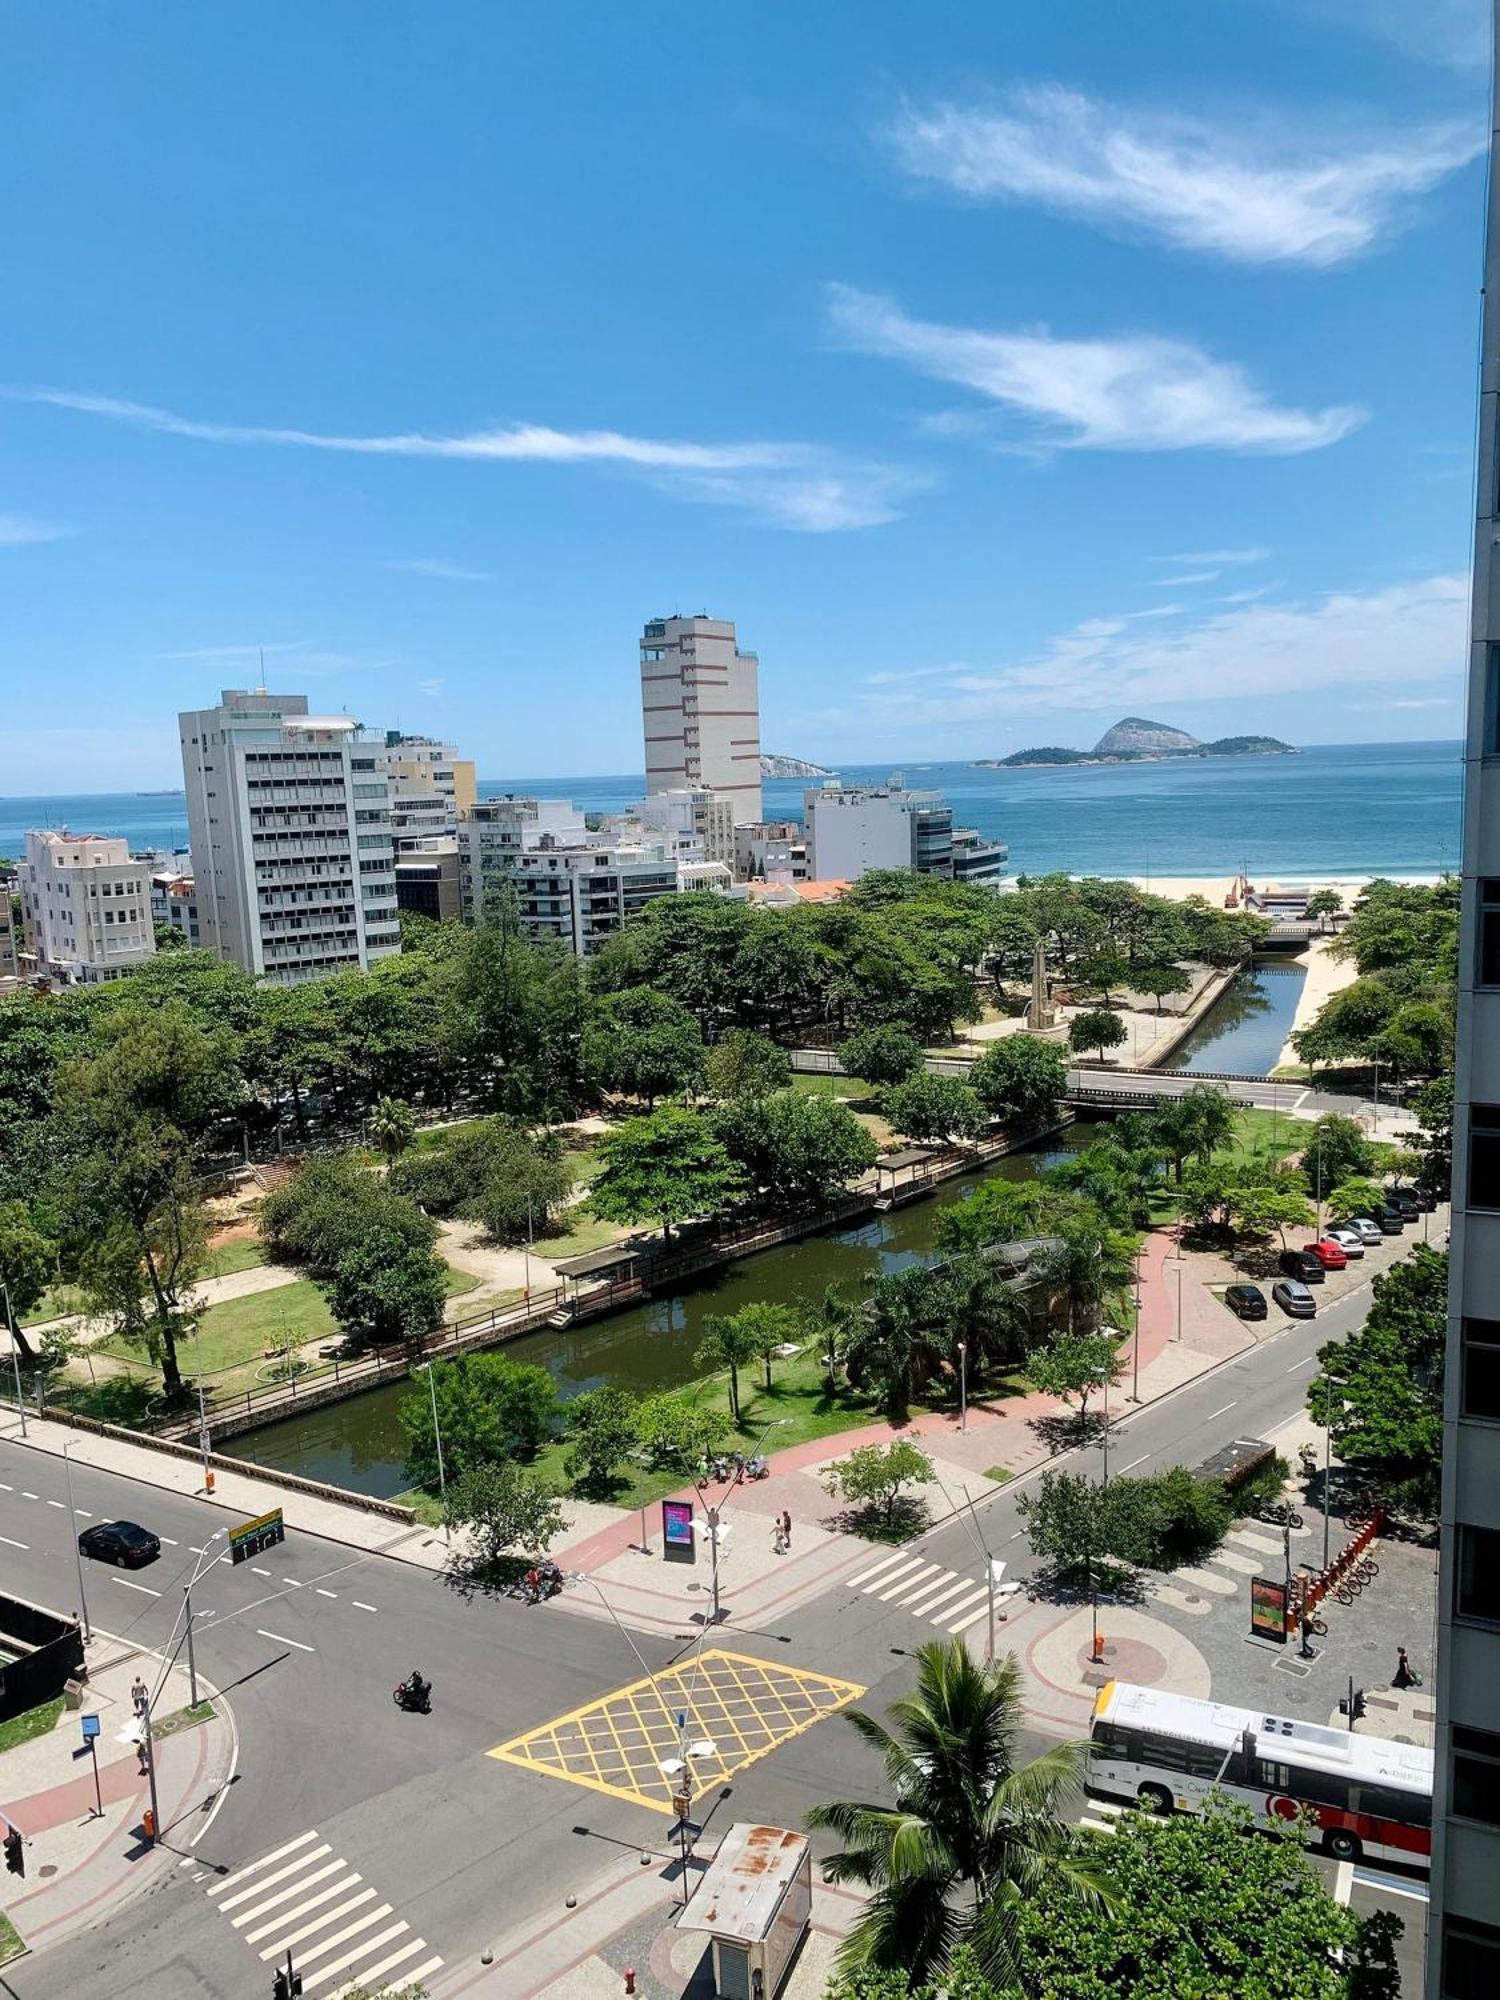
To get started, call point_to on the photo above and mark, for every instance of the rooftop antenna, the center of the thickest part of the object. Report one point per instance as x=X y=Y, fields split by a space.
x=262 y=689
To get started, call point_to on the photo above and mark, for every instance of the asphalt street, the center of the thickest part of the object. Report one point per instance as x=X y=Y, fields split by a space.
x=308 y=1641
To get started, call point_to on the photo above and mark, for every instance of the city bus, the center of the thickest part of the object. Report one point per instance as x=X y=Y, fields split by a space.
x=1366 y=1795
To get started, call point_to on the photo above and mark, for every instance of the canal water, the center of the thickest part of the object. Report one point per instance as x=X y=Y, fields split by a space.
x=358 y=1443
x=1244 y=1031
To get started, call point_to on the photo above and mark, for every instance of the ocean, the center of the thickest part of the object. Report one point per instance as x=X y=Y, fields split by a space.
x=1331 y=810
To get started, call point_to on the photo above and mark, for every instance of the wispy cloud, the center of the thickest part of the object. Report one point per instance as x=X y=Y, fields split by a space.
x=18 y=529
x=1246 y=192
x=238 y=651
x=431 y=686
x=1216 y=556
x=1191 y=576
x=299 y=659
x=788 y=484
x=1131 y=392
x=438 y=566
x=1408 y=637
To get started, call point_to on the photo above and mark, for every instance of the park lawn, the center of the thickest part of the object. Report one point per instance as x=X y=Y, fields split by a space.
x=848 y=1087
x=1257 y=1135
x=34 y=1722
x=58 y=1302
x=585 y=1232
x=242 y=1253
x=426 y=1140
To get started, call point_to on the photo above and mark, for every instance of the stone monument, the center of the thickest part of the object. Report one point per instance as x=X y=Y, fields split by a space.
x=1040 y=1013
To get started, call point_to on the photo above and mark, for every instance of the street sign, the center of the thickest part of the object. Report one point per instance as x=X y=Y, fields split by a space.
x=90 y=1727
x=205 y=1442
x=253 y=1538
x=1268 y=1609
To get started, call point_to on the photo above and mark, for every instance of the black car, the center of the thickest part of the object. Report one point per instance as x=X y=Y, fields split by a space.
x=1404 y=1202
x=1426 y=1200
x=1246 y=1301
x=1304 y=1265
x=1295 y=1300
x=1390 y=1221
x=124 y=1542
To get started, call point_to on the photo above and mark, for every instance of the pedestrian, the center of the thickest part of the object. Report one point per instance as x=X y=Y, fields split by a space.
x=1403 y=1676
x=778 y=1539
x=786 y=1530
x=139 y=1695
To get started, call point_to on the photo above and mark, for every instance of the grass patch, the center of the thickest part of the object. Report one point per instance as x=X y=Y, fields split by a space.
x=426 y=1506
x=59 y=1302
x=425 y=1141
x=12 y=1944
x=456 y=1282
x=126 y=1400
x=999 y=1473
x=584 y=1233
x=241 y=1253
x=849 y=1087
x=35 y=1722
x=183 y=1718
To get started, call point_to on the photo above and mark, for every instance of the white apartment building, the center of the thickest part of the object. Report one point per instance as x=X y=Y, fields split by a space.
x=689 y=809
x=1464 y=1931
x=497 y=832
x=290 y=833
x=854 y=829
x=431 y=786
x=174 y=901
x=10 y=963
x=773 y=851
x=86 y=906
x=700 y=706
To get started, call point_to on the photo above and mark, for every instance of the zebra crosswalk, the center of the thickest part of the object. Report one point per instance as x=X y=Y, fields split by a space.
x=938 y=1596
x=305 y=1899
x=1250 y=1548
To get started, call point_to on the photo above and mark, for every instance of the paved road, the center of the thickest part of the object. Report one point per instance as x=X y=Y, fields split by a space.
x=309 y=1642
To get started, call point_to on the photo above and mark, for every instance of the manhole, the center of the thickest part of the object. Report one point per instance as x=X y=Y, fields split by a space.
x=1193 y=1597
x=48 y=1868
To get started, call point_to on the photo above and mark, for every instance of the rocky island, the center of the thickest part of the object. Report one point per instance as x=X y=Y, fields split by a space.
x=1136 y=740
x=790 y=767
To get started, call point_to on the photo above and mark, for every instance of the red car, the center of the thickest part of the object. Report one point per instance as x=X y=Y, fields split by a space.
x=1332 y=1256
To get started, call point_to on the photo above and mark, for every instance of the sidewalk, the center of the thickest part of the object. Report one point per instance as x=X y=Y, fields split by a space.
x=86 y=1853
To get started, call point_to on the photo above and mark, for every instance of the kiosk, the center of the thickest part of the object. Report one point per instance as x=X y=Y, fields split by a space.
x=755 y=1902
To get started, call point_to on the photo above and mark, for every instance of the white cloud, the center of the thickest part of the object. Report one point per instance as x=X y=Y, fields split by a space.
x=431 y=686
x=1217 y=556
x=1403 y=637
x=1455 y=33
x=1131 y=392
x=1192 y=576
x=19 y=529
x=1240 y=191
x=438 y=566
x=788 y=484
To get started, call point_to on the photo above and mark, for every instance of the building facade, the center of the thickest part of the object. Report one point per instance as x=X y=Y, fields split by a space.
x=692 y=810
x=431 y=787
x=854 y=829
x=10 y=958
x=700 y=707
x=427 y=881
x=86 y=906
x=1464 y=1931
x=289 y=828
x=174 y=901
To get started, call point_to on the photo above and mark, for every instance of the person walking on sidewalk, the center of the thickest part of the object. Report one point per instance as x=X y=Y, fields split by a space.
x=1404 y=1676
x=778 y=1538
x=786 y=1531
x=140 y=1695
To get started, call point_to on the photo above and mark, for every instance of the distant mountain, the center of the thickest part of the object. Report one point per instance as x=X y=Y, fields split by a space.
x=1135 y=740
x=790 y=767
x=1136 y=733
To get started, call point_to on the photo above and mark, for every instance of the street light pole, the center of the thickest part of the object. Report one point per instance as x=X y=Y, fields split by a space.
x=1327 y=1485
x=437 y=1435
x=77 y=1552
x=15 y=1356
x=1135 y=1345
x=963 y=1385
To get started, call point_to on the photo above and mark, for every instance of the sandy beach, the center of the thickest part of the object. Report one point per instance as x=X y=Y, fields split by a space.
x=1215 y=889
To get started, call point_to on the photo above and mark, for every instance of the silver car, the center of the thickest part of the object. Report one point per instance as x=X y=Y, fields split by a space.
x=1369 y=1232
x=1349 y=1240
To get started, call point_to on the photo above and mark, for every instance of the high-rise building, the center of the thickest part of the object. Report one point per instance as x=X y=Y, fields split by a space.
x=700 y=704
x=852 y=829
x=1464 y=1932
x=86 y=906
x=290 y=831
x=431 y=786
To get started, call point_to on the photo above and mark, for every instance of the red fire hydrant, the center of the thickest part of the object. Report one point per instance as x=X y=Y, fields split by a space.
x=630 y=1979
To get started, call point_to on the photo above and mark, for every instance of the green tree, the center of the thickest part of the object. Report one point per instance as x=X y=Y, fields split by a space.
x=387 y=1289
x=27 y=1263
x=681 y=1436
x=1098 y=1028
x=393 y=1126
x=1075 y=1365
x=882 y=1056
x=1070 y=1522
x=506 y=1508
x=1198 y=1125
x=663 y=1168
x=1160 y=981
x=1433 y=1106
x=729 y=1341
x=898 y=1343
x=1359 y=1196
x=331 y=1204
x=967 y=1836
x=1323 y=904
x=744 y=1064
x=873 y=1478
x=834 y=1321
x=1021 y=1080
x=489 y=1408
x=643 y=1044
x=1336 y=1151
x=603 y=1428
x=1381 y=1390
x=1193 y=1908
x=800 y=1151
x=934 y=1107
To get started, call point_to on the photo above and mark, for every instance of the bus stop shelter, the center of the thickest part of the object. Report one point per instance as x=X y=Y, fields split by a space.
x=755 y=1903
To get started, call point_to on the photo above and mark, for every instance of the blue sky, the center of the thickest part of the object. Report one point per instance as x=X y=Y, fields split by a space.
x=1000 y=369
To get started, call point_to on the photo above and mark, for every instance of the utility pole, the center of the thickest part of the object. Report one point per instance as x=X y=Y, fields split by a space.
x=963 y=1385
x=1135 y=1345
x=83 y=1603
x=15 y=1356
x=437 y=1435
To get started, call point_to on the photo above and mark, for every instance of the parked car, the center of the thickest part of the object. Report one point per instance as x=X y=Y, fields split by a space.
x=1348 y=1239
x=126 y=1543
x=1246 y=1301
x=1328 y=1253
x=1404 y=1202
x=1370 y=1231
x=1427 y=1201
x=1295 y=1300
x=1304 y=1266
x=1391 y=1220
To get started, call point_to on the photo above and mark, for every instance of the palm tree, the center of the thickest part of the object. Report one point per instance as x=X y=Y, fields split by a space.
x=969 y=1834
x=834 y=1320
x=1087 y=1268
x=392 y=1126
x=899 y=1341
x=729 y=1341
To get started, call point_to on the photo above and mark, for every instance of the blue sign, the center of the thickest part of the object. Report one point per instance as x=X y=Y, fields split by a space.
x=90 y=1727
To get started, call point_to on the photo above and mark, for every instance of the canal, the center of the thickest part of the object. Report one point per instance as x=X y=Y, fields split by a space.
x=1244 y=1031
x=358 y=1443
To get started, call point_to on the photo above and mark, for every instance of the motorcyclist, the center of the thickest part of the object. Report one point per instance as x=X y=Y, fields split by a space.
x=415 y=1690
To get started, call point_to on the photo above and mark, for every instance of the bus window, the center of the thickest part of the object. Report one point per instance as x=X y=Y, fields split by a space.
x=1275 y=1777
x=1110 y=1743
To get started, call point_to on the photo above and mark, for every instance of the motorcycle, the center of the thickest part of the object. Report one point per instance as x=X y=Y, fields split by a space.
x=413 y=1701
x=1309 y=1459
x=546 y=1580
x=757 y=1468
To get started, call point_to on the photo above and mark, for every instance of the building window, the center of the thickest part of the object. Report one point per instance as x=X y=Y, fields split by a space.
x=1481 y=1368
x=1477 y=1584
x=1475 y=1790
x=1487 y=972
x=1484 y=1156
x=1471 y=1959
x=1492 y=701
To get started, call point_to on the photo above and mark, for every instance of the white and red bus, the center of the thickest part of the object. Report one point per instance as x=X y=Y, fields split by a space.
x=1367 y=1795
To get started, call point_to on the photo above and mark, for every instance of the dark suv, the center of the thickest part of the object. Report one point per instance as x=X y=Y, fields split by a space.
x=1304 y=1265
x=1404 y=1202
x=1389 y=1220
x=1246 y=1301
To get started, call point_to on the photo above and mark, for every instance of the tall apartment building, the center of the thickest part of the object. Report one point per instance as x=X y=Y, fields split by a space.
x=700 y=704
x=1464 y=1932
x=853 y=829
x=431 y=786
x=689 y=809
x=290 y=832
x=10 y=963
x=86 y=906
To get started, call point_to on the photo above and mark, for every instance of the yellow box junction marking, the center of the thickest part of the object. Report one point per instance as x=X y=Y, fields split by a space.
x=617 y=1744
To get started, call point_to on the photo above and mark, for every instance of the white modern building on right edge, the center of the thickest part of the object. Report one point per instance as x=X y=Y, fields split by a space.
x=853 y=829
x=1464 y=1932
x=700 y=706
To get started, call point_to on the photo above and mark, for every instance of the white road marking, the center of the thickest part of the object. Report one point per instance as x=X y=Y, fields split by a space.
x=125 y=1584
x=292 y=1581
x=360 y=1923
x=83 y=1513
x=1135 y=1462
x=370 y=1944
x=257 y=1910
x=312 y=1902
x=56 y=1503
x=1297 y=1367
x=6 y=1489
x=415 y=1978
x=328 y=1593
x=1370 y=1878
x=27 y=1496
x=901 y=1581
x=259 y=1888
x=1018 y=1534
x=1220 y=1413
x=971 y=1618
x=361 y=1607
x=867 y=1575
x=258 y=1572
x=254 y=1867
x=170 y=1541
x=282 y=1640
x=193 y=1546
x=375 y=1972
x=12 y=1544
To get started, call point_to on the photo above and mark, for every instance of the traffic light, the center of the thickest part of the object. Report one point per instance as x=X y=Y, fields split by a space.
x=1353 y=1704
x=15 y=1852
x=288 y=1985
